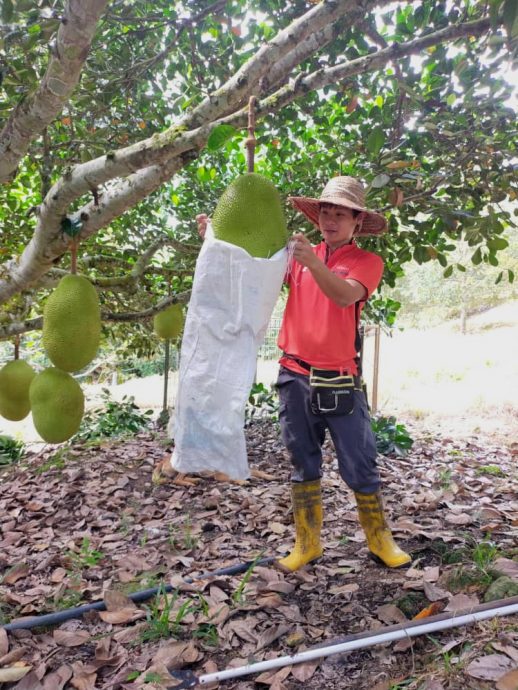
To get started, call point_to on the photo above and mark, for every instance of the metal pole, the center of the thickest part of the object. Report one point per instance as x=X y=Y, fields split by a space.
x=502 y=607
x=375 y=371
x=166 y=374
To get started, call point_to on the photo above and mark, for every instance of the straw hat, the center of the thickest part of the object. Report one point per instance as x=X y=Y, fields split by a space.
x=342 y=191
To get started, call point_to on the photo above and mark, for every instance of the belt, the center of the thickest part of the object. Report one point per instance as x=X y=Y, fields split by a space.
x=325 y=373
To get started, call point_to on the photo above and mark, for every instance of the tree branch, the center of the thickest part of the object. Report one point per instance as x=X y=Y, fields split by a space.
x=33 y=114
x=48 y=242
x=36 y=324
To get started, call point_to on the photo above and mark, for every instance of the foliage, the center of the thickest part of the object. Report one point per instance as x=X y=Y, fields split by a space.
x=263 y=403
x=391 y=438
x=427 y=299
x=86 y=557
x=114 y=419
x=433 y=136
x=11 y=450
x=162 y=620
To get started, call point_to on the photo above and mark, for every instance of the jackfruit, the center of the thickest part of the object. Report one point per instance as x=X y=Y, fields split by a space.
x=72 y=323
x=57 y=404
x=250 y=215
x=15 y=379
x=168 y=324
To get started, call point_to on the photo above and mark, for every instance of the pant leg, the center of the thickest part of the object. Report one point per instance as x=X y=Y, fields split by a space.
x=355 y=446
x=302 y=432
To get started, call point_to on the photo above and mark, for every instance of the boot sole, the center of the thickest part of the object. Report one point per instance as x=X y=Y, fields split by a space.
x=277 y=565
x=380 y=561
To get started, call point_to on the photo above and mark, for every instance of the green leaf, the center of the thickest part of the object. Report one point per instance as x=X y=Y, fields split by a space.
x=476 y=259
x=447 y=273
x=497 y=243
x=510 y=274
x=375 y=140
x=220 y=135
x=451 y=99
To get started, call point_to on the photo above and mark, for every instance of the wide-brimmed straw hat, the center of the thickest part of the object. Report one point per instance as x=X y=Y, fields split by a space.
x=342 y=191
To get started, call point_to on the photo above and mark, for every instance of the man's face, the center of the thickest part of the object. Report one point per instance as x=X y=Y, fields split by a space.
x=337 y=224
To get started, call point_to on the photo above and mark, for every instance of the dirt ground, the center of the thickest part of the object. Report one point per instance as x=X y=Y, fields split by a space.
x=89 y=523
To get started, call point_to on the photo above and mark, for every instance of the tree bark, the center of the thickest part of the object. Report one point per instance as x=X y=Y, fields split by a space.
x=142 y=168
x=32 y=115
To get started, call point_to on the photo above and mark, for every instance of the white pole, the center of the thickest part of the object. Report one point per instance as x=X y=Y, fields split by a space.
x=370 y=641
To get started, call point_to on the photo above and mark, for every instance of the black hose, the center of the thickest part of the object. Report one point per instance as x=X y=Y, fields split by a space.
x=76 y=612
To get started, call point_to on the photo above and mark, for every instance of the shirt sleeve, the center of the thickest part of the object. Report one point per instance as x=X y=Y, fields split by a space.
x=368 y=271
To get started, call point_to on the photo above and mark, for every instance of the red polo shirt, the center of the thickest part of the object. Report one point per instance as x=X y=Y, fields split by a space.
x=314 y=328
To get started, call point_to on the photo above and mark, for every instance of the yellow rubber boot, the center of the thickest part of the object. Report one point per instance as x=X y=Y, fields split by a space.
x=307 y=513
x=379 y=536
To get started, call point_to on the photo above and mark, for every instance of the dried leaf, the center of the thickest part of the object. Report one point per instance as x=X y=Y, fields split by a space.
x=508 y=681
x=4 y=642
x=388 y=613
x=121 y=615
x=462 y=601
x=489 y=667
x=303 y=672
x=74 y=638
x=505 y=566
x=58 y=679
x=13 y=673
x=117 y=601
x=17 y=572
x=434 y=593
x=272 y=634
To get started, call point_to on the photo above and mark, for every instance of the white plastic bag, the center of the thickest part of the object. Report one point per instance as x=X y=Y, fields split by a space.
x=232 y=299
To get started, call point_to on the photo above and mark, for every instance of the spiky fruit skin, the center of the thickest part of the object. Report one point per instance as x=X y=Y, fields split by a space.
x=15 y=380
x=168 y=324
x=57 y=404
x=72 y=324
x=250 y=215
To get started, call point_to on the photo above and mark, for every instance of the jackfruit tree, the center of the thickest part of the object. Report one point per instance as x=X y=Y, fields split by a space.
x=120 y=121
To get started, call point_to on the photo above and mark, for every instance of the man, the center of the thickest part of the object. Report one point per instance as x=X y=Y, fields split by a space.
x=328 y=286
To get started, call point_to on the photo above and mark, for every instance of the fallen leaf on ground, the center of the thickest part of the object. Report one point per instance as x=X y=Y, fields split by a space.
x=74 y=638
x=509 y=681
x=13 y=673
x=489 y=667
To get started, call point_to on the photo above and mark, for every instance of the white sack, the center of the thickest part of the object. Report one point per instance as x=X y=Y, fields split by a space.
x=232 y=299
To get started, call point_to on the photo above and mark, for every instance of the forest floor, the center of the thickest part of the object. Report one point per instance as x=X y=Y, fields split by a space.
x=84 y=523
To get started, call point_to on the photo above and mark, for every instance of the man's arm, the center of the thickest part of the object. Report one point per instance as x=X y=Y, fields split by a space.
x=202 y=219
x=341 y=292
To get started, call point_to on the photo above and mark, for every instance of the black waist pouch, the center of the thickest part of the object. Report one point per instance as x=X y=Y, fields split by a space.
x=330 y=392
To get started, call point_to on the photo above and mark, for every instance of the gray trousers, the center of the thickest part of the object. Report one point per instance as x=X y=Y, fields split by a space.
x=303 y=434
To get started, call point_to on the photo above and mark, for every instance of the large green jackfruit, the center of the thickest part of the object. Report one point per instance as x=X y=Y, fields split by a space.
x=15 y=379
x=72 y=323
x=168 y=324
x=250 y=215
x=57 y=404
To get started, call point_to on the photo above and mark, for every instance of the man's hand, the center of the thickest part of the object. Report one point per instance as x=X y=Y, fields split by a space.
x=202 y=219
x=302 y=250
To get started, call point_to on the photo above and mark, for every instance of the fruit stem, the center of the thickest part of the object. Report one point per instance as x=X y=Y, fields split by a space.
x=17 y=347
x=251 y=141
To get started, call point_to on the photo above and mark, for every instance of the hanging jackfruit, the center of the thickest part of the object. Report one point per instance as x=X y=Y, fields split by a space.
x=57 y=404
x=168 y=324
x=15 y=379
x=72 y=323
x=250 y=215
